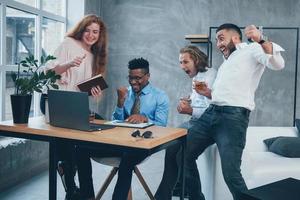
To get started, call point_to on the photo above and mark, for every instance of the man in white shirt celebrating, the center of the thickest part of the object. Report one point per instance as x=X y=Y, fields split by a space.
x=195 y=64
x=226 y=120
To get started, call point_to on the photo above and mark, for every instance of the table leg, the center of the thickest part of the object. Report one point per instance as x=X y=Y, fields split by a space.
x=182 y=177
x=52 y=171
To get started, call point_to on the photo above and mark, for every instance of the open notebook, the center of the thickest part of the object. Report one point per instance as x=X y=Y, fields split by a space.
x=129 y=125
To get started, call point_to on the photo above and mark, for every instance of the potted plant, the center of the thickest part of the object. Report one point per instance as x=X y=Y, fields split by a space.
x=32 y=79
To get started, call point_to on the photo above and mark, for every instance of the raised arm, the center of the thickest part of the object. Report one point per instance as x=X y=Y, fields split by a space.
x=119 y=111
x=63 y=67
x=273 y=59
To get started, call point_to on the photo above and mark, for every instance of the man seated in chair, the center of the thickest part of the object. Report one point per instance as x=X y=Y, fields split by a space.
x=139 y=103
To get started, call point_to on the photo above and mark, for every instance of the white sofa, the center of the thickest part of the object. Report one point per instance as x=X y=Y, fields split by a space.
x=259 y=166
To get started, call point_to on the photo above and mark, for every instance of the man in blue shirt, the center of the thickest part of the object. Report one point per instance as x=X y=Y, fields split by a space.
x=153 y=107
x=153 y=102
x=139 y=103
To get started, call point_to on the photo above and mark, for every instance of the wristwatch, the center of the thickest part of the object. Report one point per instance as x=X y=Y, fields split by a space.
x=263 y=39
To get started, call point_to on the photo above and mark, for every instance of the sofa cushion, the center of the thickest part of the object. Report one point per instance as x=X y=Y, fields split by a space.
x=256 y=135
x=285 y=146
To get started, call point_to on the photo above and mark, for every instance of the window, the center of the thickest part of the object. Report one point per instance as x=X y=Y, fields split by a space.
x=28 y=2
x=52 y=35
x=55 y=6
x=30 y=27
x=20 y=35
x=9 y=90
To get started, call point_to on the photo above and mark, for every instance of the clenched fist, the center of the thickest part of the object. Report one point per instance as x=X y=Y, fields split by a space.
x=253 y=33
x=122 y=94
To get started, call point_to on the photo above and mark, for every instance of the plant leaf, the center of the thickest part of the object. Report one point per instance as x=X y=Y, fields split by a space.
x=55 y=86
x=34 y=79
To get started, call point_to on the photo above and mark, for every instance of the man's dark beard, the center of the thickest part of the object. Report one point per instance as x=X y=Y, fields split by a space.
x=231 y=47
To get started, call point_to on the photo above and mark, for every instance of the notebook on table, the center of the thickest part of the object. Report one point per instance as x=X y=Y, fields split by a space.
x=123 y=123
x=71 y=110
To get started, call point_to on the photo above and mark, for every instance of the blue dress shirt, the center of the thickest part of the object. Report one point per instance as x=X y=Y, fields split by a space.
x=154 y=104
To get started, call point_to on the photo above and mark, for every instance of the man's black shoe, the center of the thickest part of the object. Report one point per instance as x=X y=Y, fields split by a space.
x=75 y=195
x=177 y=193
x=61 y=172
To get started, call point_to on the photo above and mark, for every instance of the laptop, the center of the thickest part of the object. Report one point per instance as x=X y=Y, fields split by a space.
x=68 y=109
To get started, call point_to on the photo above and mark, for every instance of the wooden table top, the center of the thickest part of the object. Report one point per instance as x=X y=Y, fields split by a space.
x=117 y=136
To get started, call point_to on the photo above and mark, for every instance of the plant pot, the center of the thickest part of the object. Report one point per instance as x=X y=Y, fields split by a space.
x=20 y=105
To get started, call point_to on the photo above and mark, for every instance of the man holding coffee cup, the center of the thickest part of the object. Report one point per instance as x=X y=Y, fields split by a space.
x=195 y=64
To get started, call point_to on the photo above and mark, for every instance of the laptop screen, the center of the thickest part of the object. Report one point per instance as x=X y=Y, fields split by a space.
x=69 y=109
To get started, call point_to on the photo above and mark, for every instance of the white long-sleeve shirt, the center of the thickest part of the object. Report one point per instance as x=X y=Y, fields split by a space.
x=199 y=103
x=238 y=76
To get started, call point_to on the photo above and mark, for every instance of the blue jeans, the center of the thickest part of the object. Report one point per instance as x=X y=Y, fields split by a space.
x=224 y=125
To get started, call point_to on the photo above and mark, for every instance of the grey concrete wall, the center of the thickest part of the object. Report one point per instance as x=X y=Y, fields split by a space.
x=155 y=30
x=92 y=7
